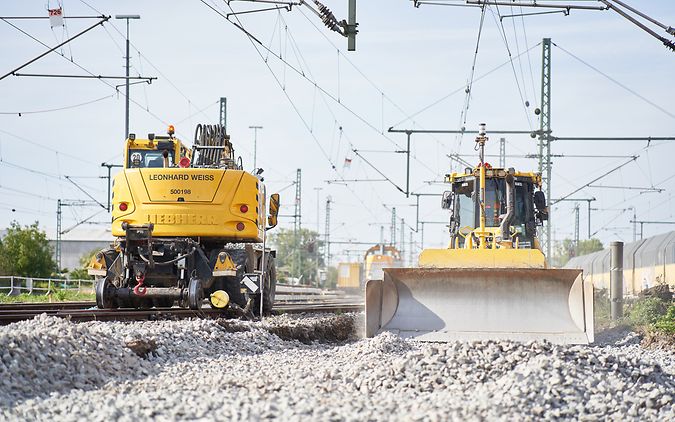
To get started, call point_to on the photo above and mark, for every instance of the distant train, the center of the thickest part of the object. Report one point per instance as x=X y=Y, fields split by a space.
x=646 y=263
x=353 y=275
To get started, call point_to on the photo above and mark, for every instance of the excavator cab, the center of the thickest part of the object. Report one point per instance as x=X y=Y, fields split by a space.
x=492 y=281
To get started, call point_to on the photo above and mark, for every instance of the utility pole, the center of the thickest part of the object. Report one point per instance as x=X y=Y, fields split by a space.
x=351 y=25
x=327 y=229
x=58 y=235
x=60 y=203
x=642 y=223
x=393 y=227
x=502 y=152
x=126 y=119
x=545 y=138
x=588 y=202
x=402 y=251
x=223 y=112
x=576 y=229
x=297 y=221
x=411 y=261
x=255 y=143
x=316 y=245
x=109 y=166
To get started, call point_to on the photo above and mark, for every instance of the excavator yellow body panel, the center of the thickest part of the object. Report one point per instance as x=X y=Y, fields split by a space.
x=190 y=202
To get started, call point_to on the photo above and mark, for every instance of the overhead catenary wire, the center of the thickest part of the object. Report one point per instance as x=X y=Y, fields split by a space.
x=461 y=88
x=665 y=41
x=49 y=110
x=500 y=25
x=239 y=25
x=341 y=133
x=87 y=71
x=253 y=42
x=51 y=49
x=143 y=57
x=635 y=93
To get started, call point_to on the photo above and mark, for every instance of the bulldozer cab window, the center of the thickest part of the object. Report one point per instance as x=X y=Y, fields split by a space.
x=521 y=205
x=464 y=207
x=147 y=158
x=495 y=201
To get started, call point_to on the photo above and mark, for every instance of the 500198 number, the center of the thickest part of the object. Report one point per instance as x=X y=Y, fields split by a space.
x=180 y=191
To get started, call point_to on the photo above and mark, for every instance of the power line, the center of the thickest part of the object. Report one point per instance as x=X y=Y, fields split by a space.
x=49 y=110
x=87 y=71
x=500 y=24
x=39 y=145
x=462 y=88
x=653 y=104
x=595 y=180
x=253 y=41
x=11 y=72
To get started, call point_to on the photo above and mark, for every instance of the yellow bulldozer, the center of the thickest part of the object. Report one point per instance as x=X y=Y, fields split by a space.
x=190 y=225
x=492 y=282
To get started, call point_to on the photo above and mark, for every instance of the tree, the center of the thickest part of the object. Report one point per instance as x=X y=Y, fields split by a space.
x=565 y=250
x=331 y=277
x=25 y=251
x=297 y=254
x=80 y=273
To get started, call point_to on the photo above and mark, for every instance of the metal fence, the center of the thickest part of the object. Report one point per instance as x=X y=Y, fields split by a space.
x=15 y=285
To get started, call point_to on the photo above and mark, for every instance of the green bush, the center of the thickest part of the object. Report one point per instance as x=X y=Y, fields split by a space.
x=601 y=308
x=646 y=311
x=666 y=323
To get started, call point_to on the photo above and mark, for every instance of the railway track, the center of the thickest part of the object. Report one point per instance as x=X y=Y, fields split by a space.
x=87 y=311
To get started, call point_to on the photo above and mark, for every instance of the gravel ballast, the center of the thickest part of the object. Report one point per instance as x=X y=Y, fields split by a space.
x=312 y=367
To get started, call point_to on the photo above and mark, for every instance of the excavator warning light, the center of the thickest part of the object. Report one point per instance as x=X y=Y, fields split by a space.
x=123 y=206
x=171 y=130
x=184 y=162
x=243 y=209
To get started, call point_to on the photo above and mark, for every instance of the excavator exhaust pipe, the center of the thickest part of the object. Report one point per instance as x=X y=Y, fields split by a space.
x=447 y=304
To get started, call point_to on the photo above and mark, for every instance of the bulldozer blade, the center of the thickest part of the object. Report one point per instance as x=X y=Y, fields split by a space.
x=447 y=304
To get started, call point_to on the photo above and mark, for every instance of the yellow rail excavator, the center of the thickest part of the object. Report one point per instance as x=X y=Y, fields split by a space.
x=379 y=257
x=492 y=282
x=190 y=225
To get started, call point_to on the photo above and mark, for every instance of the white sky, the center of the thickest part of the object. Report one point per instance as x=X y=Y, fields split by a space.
x=411 y=57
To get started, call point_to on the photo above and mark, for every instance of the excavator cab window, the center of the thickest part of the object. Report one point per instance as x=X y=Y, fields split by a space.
x=147 y=158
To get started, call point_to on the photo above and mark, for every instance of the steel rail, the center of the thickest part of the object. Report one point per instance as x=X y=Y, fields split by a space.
x=81 y=311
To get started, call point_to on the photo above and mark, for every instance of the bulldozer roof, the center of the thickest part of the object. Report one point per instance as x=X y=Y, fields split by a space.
x=491 y=173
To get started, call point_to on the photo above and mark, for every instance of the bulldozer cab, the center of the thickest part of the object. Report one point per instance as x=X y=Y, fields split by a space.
x=464 y=205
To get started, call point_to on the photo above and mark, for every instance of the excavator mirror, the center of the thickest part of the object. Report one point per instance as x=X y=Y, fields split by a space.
x=274 y=211
x=446 y=201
